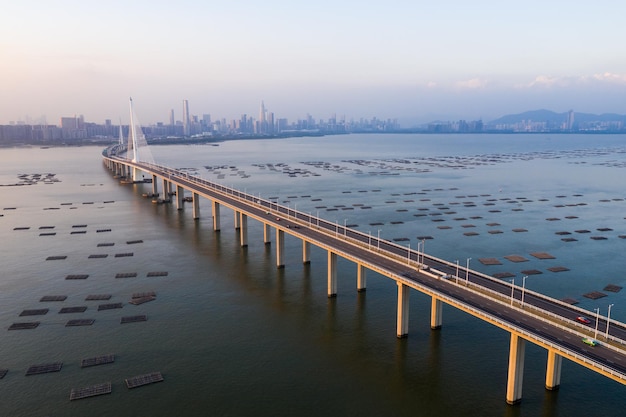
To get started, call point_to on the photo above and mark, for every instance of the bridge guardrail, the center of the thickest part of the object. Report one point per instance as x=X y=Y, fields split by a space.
x=298 y=215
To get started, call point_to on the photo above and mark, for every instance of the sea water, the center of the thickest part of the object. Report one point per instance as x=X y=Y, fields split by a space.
x=233 y=335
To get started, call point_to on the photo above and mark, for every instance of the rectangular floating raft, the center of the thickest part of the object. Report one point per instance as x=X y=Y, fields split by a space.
x=53 y=298
x=44 y=368
x=98 y=297
x=24 y=326
x=66 y=310
x=97 y=360
x=92 y=391
x=144 y=294
x=126 y=275
x=133 y=319
x=158 y=274
x=98 y=256
x=34 y=312
x=109 y=306
x=140 y=380
x=123 y=255
x=77 y=276
x=141 y=300
x=56 y=258
x=79 y=322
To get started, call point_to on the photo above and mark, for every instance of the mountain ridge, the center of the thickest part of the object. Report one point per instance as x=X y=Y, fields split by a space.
x=552 y=117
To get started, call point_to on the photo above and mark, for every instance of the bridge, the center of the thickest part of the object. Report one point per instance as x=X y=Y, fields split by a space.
x=528 y=316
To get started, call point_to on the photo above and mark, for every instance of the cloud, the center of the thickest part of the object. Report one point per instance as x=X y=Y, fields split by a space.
x=611 y=78
x=547 y=81
x=474 y=83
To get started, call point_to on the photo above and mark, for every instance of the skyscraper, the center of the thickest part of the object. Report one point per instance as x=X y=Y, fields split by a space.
x=172 y=119
x=262 y=119
x=186 y=119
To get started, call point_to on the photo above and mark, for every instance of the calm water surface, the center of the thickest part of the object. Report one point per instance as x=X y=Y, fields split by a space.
x=234 y=336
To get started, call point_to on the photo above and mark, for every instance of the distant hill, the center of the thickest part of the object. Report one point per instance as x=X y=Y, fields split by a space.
x=552 y=117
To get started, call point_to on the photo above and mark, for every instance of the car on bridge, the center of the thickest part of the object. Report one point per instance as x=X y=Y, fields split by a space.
x=583 y=320
x=589 y=341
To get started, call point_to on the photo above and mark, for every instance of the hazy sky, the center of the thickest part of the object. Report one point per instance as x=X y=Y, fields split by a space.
x=415 y=60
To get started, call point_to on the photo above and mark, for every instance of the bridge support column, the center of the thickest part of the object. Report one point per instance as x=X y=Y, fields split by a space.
x=196 y=205
x=266 y=233
x=280 y=248
x=332 y=274
x=167 y=189
x=553 y=371
x=215 y=208
x=180 y=194
x=243 y=229
x=136 y=174
x=435 y=314
x=361 y=278
x=306 y=252
x=155 y=189
x=403 y=310
x=237 y=220
x=516 y=369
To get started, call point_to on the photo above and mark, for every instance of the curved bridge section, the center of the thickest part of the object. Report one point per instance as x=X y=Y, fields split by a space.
x=528 y=316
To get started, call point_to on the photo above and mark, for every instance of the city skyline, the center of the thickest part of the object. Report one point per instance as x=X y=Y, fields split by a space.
x=416 y=61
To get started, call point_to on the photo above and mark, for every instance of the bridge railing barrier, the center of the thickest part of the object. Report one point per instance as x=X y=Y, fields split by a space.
x=356 y=237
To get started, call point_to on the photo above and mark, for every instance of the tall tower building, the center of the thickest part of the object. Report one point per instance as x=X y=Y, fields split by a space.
x=570 y=120
x=186 y=119
x=172 y=119
x=262 y=118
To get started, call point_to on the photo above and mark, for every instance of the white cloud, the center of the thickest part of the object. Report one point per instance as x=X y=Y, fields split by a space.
x=547 y=81
x=611 y=78
x=473 y=83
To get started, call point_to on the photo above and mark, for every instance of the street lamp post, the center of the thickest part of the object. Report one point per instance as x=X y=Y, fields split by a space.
x=597 y=310
x=523 y=289
x=457 y=272
x=408 y=255
x=608 y=318
x=345 y=226
x=418 y=253
x=378 y=240
x=336 y=228
x=467 y=271
x=369 y=242
x=512 y=290
x=423 y=249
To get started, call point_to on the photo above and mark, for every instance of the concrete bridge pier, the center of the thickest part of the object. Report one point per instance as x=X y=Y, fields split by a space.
x=404 y=291
x=180 y=194
x=436 y=319
x=243 y=229
x=266 y=233
x=237 y=220
x=280 y=248
x=136 y=174
x=306 y=252
x=332 y=274
x=196 y=205
x=553 y=371
x=215 y=208
x=155 y=189
x=516 y=369
x=361 y=278
x=167 y=189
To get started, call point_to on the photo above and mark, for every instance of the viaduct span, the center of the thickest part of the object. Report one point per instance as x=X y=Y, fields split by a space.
x=528 y=316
